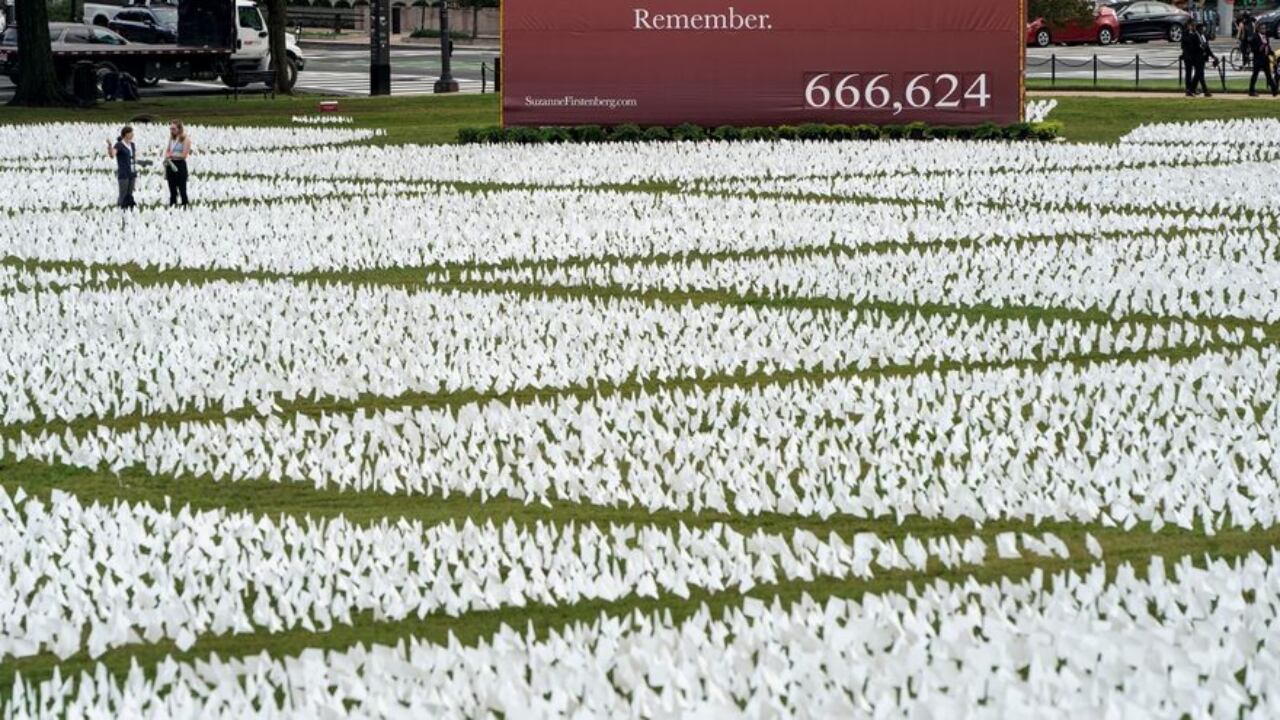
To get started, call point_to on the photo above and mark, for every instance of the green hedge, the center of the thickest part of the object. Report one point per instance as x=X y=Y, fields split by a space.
x=726 y=133
x=421 y=33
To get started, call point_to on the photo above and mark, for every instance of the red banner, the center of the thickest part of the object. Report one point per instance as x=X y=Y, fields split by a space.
x=761 y=62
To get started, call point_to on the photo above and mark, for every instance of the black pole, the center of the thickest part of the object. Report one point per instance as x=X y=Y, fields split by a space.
x=446 y=83
x=380 y=47
x=497 y=74
x=1053 y=69
x=1095 y=70
x=1137 y=70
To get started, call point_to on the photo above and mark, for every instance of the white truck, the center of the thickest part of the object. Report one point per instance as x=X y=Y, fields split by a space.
x=222 y=40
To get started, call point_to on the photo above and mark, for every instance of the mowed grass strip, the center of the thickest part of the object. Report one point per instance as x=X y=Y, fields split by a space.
x=272 y=500
x=463 y=272
x=430 y=120
x=708 y=381
x=1136 y=548
x=437 y=119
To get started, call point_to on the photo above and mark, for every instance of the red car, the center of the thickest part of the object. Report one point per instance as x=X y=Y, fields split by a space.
x=1104 y=30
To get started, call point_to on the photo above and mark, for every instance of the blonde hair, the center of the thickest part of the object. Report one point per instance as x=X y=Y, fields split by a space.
x=182 y=131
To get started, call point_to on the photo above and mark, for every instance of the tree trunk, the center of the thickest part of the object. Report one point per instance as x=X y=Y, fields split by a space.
x=475 y=19
x=37 y=85
x=275 y=37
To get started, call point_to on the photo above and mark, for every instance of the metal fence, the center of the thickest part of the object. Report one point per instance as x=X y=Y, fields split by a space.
x=1054 y=62
x=491 y=73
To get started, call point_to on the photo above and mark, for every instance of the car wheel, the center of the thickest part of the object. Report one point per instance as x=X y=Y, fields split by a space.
x=148 y=82
x=101 y=20
x=1105 y=36
x=291 y=75
x=1175 y=33
x=1043 y=39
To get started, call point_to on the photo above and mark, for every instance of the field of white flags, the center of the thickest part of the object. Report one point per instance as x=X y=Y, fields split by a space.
x=920 y=429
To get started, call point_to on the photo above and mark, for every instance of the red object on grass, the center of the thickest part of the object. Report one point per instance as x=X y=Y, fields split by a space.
x=328 y=106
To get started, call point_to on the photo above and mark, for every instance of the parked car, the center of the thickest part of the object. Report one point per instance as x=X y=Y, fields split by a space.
x=61 y=33
x=1269 y=23
x=1147 y=20
x=67 y=34
x=101 y=13
x=1104 y=30
x=105 y=14
x=63 y=37
x=157 y=25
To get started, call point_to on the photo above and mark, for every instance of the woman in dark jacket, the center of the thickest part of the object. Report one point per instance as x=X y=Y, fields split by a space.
x=126 y=157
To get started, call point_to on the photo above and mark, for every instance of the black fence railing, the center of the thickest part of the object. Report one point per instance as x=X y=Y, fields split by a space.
x=1054 y=62
x=490 y=73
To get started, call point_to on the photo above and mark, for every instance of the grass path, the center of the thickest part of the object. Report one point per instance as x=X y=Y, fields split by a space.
x=427 y=120
x=1135 y=546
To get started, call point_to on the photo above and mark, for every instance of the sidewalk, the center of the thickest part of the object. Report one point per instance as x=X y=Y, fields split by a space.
x=353 y=39
x=1145 y=94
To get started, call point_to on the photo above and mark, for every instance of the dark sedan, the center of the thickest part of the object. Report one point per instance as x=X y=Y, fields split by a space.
x=1147 y=20
x=1269 y=23
x=157 y=25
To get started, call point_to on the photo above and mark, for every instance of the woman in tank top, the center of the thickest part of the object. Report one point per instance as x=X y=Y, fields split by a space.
x=176 y=152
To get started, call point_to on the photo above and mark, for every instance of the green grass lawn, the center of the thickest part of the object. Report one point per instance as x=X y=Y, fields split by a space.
x=437 y=120
x=422 y=120
x=1105 y=119
x=432 y=119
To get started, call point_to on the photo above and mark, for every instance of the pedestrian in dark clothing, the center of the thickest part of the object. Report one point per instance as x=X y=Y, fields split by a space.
x=1196 y=51
x=1260 y=48
x=1190 y=58
x=1206 y=49
x=1244 y=32
x=126 y=156
x=176 y=152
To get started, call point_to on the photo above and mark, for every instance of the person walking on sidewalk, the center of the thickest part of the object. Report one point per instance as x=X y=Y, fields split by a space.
x=126 y=157
x=1260 y=49
x=1195 y=53
x=176 y=152
x=1245 y=25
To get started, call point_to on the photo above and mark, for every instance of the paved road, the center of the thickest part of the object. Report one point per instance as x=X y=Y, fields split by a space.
x=1075 y=62
x=344 y=71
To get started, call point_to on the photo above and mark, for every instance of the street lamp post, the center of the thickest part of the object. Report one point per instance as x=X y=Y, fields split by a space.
x=380 y=47
x=446 y=83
